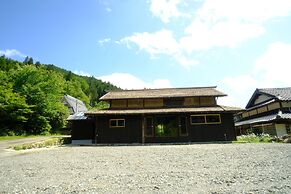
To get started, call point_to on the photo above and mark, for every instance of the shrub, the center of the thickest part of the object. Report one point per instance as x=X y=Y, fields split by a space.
x=253 y=138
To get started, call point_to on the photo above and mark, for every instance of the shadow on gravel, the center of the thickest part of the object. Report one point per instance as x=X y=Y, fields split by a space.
x=146 y=144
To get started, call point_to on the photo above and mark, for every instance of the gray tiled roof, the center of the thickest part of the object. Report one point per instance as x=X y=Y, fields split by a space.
x=280 y=93
x=163 y=93
x=283 y=94
x=78 y=116
x=74 y=104
x=165 y=110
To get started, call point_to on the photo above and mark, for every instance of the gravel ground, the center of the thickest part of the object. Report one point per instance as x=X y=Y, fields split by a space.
x=196 y=168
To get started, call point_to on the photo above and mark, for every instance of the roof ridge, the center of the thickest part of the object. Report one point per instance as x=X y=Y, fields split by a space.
x=274 y=88
x=130 y=90
x=73 y=98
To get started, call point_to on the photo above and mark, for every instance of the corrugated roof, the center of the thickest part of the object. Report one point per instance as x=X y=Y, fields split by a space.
x=263 y=119
x=165 y=110
x=163 y=93
x=74 y=103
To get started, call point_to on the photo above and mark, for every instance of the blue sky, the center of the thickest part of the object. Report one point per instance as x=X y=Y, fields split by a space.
x=238 y=45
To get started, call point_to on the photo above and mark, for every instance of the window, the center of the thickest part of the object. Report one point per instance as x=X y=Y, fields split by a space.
x=153 y=102
x=135 y=103
x=253 y=112
x=116 y=123
x=149 y=129
x=197 y=119
x=207 y=101
x=273 y=106
x=205 y=119
x=194 y=101
x=262 y=109
x=118 y=103
x=173 y=102
x=212 y=119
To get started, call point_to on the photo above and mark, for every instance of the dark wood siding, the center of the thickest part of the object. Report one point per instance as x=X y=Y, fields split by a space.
x=213 y=132
x=131 y=133
x=82 y=129
x=224 y=131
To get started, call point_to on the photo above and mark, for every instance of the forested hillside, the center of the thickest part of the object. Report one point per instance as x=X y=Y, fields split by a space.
x=30 y=95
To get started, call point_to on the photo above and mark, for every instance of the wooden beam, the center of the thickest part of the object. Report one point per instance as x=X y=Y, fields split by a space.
x=142 y=129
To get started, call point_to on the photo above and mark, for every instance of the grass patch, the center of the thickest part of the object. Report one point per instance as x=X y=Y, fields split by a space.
x=252 y=138
x=8 y=137
x=55 y=141
x=13 y=136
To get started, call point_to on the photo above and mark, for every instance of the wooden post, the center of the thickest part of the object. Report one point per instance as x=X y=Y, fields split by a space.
x=142 y=129
x=96 y=130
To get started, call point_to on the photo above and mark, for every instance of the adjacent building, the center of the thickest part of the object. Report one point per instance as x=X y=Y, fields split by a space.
x=268 y=111
x=158 y=115
x=74 y=105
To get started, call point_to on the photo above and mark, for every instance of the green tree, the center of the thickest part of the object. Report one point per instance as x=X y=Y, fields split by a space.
x=30 y=95
x=74 y=88
x=28 y=60
x=14 y=111
x=43 y=89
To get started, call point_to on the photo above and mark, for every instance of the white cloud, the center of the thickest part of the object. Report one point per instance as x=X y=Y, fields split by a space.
x=186 y=62
x=11 y=53
x=213 y=10
x=274 y=66
x=239 y=89
x=129 y=81
x=103 y=41
x=106 y=4
x=228 y=23
x=166 y=9
x=271 y=69
x=82 y=73
x=160 y=42
x=244 y=10
x=108 y=9
x=210 y=24
x=201 y=35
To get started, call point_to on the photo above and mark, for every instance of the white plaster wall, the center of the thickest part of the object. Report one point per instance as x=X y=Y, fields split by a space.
x=281 y=129
x=261 y=98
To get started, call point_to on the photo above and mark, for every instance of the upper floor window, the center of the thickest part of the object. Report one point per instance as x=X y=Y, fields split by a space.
x=174 y=102
x=207 y=101
x=191 y=101
x=153 y=102
x=116 y=123
x=135 y=103
x=118 y=103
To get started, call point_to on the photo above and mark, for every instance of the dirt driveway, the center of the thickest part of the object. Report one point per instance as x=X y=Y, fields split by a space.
x=196 y=168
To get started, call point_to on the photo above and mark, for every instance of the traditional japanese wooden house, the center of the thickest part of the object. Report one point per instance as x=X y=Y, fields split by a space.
x=268 y=111
x=160 y=115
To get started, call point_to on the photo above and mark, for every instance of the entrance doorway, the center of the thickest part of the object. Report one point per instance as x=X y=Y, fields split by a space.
x=166 y=126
